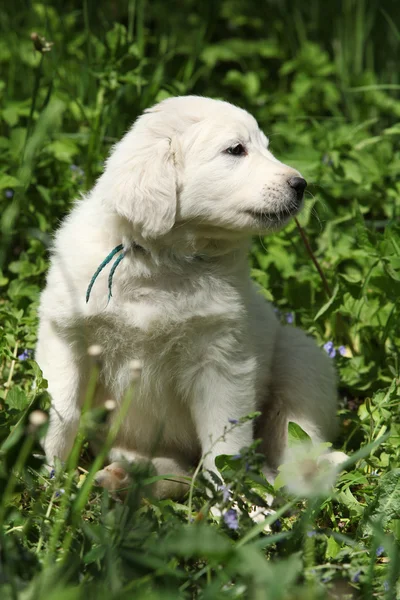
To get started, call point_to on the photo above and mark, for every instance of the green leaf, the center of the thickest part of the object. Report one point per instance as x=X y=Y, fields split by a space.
x=386 y=504
x=274 y=576
x=95 y=553
x=331 y=303
x=63 y=149
x=199 y=541
x=332 y=548
x=296 y=434
x=348 y=499
x=16 y=399
x=3 y=280
x=8 y=181
x=232 y=50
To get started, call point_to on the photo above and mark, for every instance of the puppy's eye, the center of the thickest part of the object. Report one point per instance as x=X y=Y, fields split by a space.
x=237 y=150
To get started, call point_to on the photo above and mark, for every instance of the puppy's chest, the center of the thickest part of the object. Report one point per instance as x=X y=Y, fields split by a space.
x=168 y=329
x=179 y=306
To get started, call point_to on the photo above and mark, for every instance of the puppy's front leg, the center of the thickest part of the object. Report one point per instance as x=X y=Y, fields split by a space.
x=62 y=368
x=220 y=399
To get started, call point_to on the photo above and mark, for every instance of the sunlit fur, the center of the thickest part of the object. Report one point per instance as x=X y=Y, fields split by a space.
x=211 y=347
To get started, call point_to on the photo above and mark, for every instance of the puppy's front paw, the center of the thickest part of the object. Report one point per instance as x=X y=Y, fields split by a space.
x=334 y=458
x=113 y=478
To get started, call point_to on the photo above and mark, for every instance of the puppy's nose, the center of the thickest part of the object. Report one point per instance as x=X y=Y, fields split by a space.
x=98 y=479
x=299 y=185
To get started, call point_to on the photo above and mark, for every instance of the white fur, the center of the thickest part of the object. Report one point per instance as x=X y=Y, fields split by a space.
x=211 y=347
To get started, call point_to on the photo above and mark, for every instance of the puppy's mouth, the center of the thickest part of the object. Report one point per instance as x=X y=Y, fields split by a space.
x=273 y=217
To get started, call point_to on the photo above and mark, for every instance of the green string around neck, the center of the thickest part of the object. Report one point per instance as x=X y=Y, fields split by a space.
x=99 y=269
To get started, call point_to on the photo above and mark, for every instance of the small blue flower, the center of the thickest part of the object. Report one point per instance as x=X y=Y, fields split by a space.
x=277 y=525
x=52 y=474
x=380 y=550
x=231 y=519
x=226 y=492
x=342 y=350
x=356 y=576
x=329 y=349
x=233 y=421
x=236 y=457
x=9 y=193
x=277 y=311
x=25 y=354
x=75 y=169
x=59 y=493
x=386 y=586
x=326 y=159
x=289 y=317
x=311 y=534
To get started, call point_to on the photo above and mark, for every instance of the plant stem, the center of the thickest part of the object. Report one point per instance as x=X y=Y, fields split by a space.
x=38 y=77
x=304 y=237
x=11 y=373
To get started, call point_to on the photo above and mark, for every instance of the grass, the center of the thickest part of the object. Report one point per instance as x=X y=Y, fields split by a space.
x=323 y=82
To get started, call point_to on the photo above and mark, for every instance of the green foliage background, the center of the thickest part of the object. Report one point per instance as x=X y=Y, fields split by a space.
x=323 y=81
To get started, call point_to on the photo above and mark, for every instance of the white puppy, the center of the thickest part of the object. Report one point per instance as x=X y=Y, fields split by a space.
x=181 y=195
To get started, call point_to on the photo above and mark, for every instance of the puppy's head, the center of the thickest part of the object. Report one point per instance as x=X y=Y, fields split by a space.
x=201 y=163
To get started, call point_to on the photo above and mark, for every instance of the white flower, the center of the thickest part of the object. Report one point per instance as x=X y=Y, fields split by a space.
x=110 y=405
x=308 y=470
x=95 y=350
x=38 y=418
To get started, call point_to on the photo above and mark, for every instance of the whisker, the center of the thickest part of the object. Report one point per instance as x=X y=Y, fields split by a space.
x=314 y=213
x=262 y=243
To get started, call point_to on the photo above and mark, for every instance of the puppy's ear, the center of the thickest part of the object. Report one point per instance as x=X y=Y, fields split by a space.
x=143 y=179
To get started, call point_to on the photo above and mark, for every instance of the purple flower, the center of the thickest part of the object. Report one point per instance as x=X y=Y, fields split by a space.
x=356 y=576
x=236 y=457
x=75 y=169
x=329 y=349
x=9 y=193
x=278 y=525
x=25 y=354
x=326 y=159
x=380 y=550
x=342 y=350
x=52 y=474
x=233 y=421
x=226 y=492
x=231 y=519
x=289 y=317
x=59 y=493
x=311 y=534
